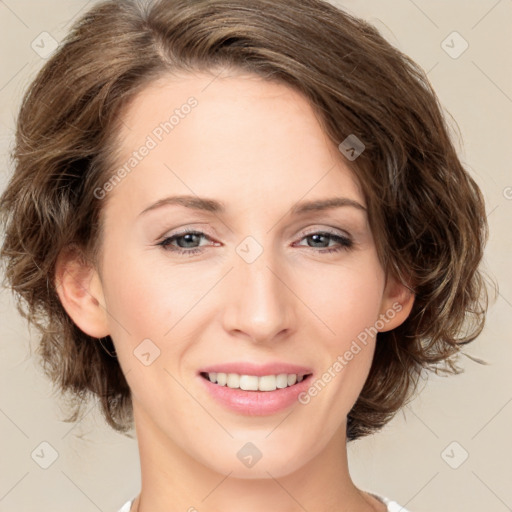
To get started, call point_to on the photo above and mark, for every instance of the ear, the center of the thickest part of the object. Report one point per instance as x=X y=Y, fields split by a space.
x=80 y=291
x=397 y=302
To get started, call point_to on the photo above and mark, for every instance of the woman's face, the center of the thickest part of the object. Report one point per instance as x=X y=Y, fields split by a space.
x=264 y=280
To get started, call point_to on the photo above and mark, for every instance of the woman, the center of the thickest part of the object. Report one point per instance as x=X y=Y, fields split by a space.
x=248 y=232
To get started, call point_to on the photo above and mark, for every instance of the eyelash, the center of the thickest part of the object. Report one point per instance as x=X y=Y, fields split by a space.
x=345 y=243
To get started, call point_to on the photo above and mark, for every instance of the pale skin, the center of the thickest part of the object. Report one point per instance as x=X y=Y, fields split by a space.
x=257 y=147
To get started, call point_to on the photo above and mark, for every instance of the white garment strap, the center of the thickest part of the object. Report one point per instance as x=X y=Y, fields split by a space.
x=126 y=507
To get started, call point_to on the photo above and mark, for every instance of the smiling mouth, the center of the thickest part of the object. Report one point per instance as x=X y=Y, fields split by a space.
x=253 y=382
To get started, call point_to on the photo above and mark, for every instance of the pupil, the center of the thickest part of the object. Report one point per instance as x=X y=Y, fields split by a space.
x=187 y=238
x=316 y=237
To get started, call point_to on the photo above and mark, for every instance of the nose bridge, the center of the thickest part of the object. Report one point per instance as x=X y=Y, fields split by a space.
x=261 y=303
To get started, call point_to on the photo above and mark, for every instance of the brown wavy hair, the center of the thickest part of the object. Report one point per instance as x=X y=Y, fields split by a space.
x=426 y=212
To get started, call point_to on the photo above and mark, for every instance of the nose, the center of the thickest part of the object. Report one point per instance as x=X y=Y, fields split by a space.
x=261 y=305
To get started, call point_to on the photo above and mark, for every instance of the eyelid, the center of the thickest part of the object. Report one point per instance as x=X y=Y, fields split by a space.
x=186 y=230
x=331 y=231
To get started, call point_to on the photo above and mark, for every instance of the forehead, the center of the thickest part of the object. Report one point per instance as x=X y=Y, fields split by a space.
x=228 y=137
x=230 y=101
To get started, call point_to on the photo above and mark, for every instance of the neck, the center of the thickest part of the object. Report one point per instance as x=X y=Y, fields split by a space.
x=174 y=481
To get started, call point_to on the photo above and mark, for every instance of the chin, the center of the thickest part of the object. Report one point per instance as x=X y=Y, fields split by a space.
x=249 y=462
x=260 y=471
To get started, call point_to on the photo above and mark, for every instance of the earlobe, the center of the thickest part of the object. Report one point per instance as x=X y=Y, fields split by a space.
x=80 y=291
x=397 y=303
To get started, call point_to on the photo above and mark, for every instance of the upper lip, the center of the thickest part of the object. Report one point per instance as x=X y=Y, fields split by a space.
x=259 y=370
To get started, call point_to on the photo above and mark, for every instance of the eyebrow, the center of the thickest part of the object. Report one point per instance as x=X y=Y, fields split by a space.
x=214 y=206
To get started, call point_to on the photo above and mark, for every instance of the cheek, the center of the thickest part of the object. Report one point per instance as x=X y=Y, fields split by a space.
x=348 y=306
x=158 y=302
x=346 y=298
x=139 y=301
x=143 y=307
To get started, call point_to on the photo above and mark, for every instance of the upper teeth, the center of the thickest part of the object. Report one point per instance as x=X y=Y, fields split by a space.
x=253 y=382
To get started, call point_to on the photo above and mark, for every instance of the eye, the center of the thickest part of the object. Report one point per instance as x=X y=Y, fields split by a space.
x=320 y=237
x=185 y=239
x=186 y=242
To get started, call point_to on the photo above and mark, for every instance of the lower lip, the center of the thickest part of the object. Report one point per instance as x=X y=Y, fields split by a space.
x=256 y=403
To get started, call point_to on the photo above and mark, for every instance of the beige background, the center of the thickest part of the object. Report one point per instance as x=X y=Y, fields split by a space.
x=97 y=469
